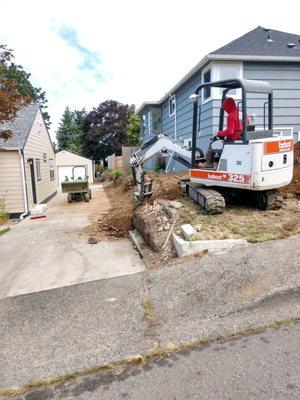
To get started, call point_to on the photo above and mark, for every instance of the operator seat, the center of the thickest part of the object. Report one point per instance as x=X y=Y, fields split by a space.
x=217 y=147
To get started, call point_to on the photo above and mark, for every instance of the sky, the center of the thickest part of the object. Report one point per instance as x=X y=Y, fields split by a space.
x=85 y=52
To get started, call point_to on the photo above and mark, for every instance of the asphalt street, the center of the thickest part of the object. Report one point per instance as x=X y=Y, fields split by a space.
x=262 y=366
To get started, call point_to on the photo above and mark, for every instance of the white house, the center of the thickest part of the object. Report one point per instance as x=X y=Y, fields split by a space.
x=66 y=161
x=27 y=163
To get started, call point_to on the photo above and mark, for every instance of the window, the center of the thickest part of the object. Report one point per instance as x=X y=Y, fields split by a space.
x=172 y=105
x=228 y=72
x=207 y=90
x=218 y=71
x=51 y=168
x=44 y=157
x=38 y=169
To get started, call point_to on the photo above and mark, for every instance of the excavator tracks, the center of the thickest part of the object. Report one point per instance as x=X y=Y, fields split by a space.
x=268 y=200
x=211 y=201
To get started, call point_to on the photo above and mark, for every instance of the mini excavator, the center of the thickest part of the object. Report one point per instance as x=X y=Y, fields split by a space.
x=256 y=165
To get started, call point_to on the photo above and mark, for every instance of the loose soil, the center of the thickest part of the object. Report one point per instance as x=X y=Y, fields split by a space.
x=118 y=221
x=293 y=189
x=235 y=222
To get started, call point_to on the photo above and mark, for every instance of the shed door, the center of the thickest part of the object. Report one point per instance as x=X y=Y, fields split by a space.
x=32 y=176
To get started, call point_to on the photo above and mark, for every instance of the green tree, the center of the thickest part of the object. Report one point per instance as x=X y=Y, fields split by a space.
x=133 y=130
x=64 y=130
x=11 y=98
x=15 y=73
x=69 y=132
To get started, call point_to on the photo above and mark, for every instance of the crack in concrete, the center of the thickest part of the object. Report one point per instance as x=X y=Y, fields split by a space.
x=120 y=366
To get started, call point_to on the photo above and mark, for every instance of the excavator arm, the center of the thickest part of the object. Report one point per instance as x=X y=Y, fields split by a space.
x=159 y=144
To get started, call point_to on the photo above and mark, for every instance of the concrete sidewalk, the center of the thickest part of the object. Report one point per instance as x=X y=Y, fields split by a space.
x=56 y=332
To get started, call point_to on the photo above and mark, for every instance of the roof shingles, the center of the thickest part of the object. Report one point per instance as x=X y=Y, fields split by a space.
x=256 y=43
x=20 y=126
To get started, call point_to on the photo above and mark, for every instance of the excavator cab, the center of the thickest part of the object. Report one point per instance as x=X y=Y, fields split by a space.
x=259 y=162
x=248 y=130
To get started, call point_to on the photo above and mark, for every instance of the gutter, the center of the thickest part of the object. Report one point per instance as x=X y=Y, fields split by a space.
x=9 y=148
x=198 y=66
x=232 y=57
x=22 y=165
x=145 y=104
x=219 y=57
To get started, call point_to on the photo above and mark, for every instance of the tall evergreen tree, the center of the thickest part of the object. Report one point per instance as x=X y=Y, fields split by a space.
x=69 y=133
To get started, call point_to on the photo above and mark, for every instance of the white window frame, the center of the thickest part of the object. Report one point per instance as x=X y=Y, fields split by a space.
x=149 y=122
x=51 y=169
x=38 y=169
x=217 y=76
x=172 y=105
x=207 y=68
x=215 y=67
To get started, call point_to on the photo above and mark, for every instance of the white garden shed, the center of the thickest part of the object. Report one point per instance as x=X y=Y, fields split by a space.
x=66 y=161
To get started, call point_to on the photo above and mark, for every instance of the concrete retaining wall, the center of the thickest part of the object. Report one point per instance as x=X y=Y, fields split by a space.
x=187 y=247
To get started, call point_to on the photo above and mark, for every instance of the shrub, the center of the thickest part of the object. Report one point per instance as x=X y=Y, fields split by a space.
x=160 y=164
x=110 y=174
x=3 y=214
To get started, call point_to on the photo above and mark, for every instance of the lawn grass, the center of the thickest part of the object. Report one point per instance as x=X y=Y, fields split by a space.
x=242 y=222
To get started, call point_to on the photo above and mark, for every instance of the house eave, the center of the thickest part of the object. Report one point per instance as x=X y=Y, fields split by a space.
x=10 y=148
x=218 y=57
x=233 y=57
x=145 y=104
x=198 y=66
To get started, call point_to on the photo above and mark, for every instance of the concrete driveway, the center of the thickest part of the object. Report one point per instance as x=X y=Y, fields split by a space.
x=53 y=252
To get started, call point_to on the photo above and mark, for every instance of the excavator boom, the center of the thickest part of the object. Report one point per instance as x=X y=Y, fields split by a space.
x=159 y=144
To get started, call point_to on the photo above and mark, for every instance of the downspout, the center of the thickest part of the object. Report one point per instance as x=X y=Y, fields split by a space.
x=22 y=165
x=149 y=123
x=175 y=118
x=175 y=130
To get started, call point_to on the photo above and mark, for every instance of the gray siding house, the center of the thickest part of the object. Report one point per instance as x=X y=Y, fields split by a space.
x=262 y=54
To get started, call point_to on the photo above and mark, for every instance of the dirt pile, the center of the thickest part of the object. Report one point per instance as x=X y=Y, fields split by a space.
x=293 y=189
x=166 y=186
x=154 y=224
x=118 y=221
